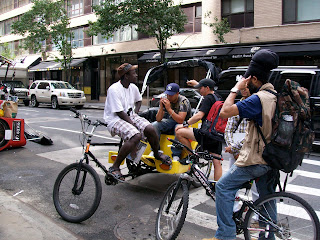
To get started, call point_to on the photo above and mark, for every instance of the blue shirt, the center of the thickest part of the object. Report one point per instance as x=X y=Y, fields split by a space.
x=251 y=108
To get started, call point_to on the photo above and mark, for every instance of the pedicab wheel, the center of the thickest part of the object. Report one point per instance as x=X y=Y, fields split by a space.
x=3 y=127
x=77 y=200
x=169 y=222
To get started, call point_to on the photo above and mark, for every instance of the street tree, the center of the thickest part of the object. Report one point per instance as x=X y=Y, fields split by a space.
x=219 y=28
x=45 y=24
x=160 y=19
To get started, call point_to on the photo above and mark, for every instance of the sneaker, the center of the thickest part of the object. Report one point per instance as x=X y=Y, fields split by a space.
x=175 y=158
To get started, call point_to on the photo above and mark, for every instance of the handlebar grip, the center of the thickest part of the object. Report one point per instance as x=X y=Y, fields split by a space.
x=102 y=123
x=174 y=141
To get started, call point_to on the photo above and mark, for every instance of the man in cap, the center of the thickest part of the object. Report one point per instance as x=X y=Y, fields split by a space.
x=184 y=133
x=177 y=107
x=120 y=113
x=259 y=108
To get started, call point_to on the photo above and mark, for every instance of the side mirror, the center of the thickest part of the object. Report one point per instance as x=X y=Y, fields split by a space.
x=48 y=88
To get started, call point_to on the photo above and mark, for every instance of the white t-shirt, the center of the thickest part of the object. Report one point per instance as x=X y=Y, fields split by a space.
x=119 y=99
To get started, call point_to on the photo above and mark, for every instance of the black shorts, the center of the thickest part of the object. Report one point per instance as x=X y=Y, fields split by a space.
x=207 y=143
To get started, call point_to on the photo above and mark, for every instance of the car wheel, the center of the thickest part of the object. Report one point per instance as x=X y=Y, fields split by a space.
x=34 y=102
x=26 y=102
x=54 y=103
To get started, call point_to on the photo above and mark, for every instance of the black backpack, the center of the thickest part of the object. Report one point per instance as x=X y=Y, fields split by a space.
x=292 y=134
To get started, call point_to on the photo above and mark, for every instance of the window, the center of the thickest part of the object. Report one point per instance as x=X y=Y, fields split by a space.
x=238 y=12
x=5 y=26
x=43 y=85
x=194 y=18
x=301 y=11
x=126 y=34
x=75 y=8
x=77 y=40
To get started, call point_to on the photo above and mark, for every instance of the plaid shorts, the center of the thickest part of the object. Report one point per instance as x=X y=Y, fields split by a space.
x=126 y=130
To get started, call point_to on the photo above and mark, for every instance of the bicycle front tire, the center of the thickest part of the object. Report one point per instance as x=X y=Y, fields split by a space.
x=169 y=225
x=294 y=218
x=77 y=205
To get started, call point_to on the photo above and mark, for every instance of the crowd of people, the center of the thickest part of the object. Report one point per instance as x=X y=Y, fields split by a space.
x=242 y=139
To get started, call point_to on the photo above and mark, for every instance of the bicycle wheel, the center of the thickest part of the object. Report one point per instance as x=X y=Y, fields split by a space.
x=77 y=205
x=169 y=224
x=205 y=167
x=285 y=216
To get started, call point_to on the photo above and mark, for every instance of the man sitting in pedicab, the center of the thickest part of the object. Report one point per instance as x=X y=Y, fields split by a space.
x=122 y=97
x=173 y=109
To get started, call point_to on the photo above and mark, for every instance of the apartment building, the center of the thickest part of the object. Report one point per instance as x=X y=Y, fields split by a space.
x=289 y=27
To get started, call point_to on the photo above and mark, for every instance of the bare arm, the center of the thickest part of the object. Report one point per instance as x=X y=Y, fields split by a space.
x=137 y=106
x=124 y=117
x=230 y=109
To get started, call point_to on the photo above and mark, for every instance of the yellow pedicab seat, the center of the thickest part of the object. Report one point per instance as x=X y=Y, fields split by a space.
x=165 y=147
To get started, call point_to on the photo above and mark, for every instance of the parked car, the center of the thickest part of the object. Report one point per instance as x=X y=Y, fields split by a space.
x=17 y=88
x=306 y=76
x=56 y=93
x=191 y=94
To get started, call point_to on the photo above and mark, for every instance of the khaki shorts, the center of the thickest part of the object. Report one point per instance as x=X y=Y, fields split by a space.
x=126 y=130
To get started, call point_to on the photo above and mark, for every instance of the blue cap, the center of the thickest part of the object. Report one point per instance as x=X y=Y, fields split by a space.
x=172 y=88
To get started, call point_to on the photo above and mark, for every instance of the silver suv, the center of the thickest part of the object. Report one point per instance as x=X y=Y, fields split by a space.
x=56 y=93
x=17 y=88
x=306 y=76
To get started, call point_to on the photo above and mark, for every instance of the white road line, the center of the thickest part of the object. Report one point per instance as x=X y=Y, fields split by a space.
x=67 y=130
x=307 y=174
x=303 y=190
x=309 y=161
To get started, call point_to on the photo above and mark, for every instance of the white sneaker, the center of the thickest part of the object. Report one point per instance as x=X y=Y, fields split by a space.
x=175 y=158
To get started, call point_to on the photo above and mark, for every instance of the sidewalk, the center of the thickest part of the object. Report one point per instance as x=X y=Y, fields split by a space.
x=20 y=221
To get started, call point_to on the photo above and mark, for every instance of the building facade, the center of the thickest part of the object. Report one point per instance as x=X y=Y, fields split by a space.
x=289 y=27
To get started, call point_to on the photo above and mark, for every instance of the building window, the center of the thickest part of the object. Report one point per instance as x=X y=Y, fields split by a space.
x=295 y=11
x=122 y=35
x=5 y=26
x=77 y=39
x=194 y=18
x=238 y=12
x=75 y=8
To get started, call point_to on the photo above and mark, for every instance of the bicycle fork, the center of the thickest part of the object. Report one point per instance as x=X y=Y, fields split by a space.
x=75 y=190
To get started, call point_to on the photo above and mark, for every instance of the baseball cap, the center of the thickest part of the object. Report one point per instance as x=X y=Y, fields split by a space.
x=206 y=82
x=172 y=88
x=124 y=68
x=262 y=62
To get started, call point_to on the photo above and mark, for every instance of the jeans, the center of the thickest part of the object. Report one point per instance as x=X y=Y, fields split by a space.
x=167 y=126
x=226 y=189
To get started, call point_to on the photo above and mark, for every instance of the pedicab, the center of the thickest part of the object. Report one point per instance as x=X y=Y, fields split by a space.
x=145 y=162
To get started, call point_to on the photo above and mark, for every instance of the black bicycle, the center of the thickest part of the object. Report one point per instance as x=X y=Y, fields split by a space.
x=280 y=215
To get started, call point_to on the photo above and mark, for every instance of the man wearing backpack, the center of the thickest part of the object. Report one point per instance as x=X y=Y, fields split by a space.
x=184 y=133
x=260 y=108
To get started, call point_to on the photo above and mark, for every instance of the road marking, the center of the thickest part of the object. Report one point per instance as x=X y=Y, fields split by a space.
x=307 y=174
x=116 y=139
x=309 y=161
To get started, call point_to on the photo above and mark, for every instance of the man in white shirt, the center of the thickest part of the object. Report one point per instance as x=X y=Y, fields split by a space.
x=120 y=113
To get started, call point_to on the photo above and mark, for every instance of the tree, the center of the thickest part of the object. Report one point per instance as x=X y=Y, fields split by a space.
x=155 y=18
x=6 y=51
x=219 y=28
x=46 y=23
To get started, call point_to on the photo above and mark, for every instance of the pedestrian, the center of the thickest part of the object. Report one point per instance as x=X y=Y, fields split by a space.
x=120 y=113
x=259 y=108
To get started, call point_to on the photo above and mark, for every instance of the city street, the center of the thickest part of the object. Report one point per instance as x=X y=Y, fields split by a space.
x=126 y=211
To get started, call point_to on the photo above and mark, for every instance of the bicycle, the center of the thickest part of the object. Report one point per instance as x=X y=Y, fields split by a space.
x=280 y=215
x=77 y=189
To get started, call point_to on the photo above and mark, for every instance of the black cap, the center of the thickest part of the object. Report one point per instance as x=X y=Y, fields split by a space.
x=262 y=63
x=206 y=82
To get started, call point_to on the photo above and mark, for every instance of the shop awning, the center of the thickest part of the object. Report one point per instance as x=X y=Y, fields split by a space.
x=287 y=49
x=205 y=53
x=52 y=65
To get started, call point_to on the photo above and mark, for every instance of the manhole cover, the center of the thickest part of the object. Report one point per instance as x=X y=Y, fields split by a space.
x=141 y=228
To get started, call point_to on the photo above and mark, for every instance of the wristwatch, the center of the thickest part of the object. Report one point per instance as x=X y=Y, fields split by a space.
x=234 y=90
x=185 y=124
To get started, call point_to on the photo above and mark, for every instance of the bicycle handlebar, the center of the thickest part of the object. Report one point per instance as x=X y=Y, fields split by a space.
x=192 y=152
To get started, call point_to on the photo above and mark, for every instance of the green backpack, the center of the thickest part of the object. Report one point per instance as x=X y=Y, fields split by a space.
x=292 y=133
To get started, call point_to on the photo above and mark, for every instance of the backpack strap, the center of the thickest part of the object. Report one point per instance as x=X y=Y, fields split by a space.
x=270 y=91
x=260 y=132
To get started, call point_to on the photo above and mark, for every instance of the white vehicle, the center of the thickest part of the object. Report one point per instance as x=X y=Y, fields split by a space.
x=56 y=93
x=17 y=88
